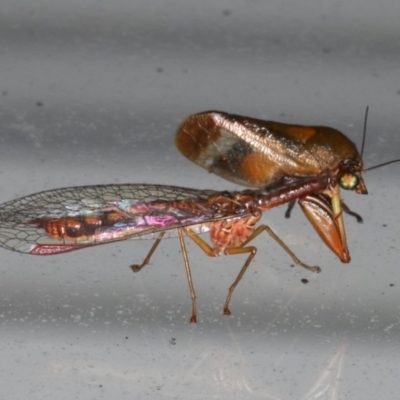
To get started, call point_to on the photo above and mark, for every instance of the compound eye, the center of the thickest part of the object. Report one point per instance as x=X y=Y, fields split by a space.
x=349 y=181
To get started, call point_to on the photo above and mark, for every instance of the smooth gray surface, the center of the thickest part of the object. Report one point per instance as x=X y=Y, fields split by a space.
x=92 y=92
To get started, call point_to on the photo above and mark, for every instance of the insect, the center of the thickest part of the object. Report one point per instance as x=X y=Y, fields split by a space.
x=68 y=219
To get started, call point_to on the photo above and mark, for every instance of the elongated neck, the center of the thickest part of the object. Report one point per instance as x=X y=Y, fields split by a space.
x=285 y=194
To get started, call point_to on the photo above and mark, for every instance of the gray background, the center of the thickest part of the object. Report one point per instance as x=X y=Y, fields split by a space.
x=91 y=92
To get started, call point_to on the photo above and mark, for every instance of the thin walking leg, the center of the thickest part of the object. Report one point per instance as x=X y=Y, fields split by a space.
x=189 y=276
x=238 y=250
x=266 y=228
x=252 y=250
x=138 y=267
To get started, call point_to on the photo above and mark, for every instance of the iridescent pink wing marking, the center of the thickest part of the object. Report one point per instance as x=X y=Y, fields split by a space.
x=68 y=219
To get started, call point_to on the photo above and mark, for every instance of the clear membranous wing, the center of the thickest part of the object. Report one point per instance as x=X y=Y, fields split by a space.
x=67 y=219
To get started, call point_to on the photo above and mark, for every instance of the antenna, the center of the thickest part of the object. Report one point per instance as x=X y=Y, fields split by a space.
x=381 y=165
x=363 y=145
x=364 y=131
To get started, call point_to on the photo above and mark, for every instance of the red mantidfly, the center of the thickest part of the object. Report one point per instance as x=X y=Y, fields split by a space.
x=283 y=162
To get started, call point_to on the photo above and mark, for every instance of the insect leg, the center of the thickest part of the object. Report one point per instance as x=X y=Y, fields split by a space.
x=200 y=242
x=266 y=228
x=138 y=267
x=290 y=208
x=238 y=250
x=210 y=252
x=193 y=318
x=347 y=210
x=252 y=250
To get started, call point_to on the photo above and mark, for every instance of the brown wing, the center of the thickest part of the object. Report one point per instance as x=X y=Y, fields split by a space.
x=259 y=153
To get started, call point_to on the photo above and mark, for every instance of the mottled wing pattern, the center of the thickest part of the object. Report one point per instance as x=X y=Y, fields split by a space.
x=68 y=219
x=245 y=150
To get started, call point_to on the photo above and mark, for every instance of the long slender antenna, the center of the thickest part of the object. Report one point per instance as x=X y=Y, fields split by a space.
x=363 y=145
x=381 y=165
x=365 y=131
